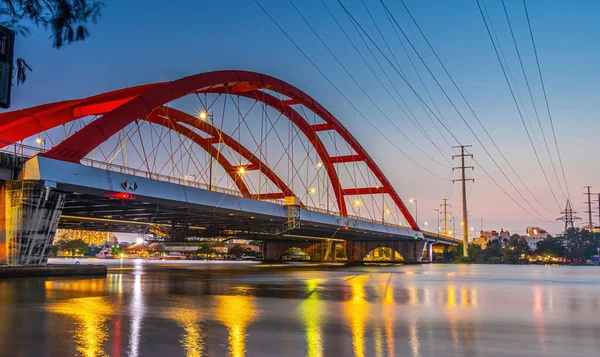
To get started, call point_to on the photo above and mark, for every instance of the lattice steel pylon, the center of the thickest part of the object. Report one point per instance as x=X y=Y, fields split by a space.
x=568 y=216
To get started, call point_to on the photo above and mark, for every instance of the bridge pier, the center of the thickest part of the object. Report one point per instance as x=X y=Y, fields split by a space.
x=410 y=250
x=317 y=250
x=429 y=251
x=29 y=214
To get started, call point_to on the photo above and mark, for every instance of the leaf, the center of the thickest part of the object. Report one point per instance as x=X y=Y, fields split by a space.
x=22 y=69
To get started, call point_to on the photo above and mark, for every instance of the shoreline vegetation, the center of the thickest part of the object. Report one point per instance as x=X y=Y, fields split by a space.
x=575 y=247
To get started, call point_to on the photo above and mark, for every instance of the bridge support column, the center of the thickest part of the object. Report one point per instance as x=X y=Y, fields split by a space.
x=29 y=214
x=317 y=250
x=410 y=250
x=429 y=246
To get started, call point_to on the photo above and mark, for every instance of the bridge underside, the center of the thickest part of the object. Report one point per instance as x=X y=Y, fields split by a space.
x=50 y=194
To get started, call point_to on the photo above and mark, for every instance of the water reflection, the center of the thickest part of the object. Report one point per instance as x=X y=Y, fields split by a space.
x=81 y=287
x=538 y=315
x=236 y=312
x=90 y=316
x=312 y=311
x=357 y=312
x=389 y=316
x=136 y=310
x=186 y=315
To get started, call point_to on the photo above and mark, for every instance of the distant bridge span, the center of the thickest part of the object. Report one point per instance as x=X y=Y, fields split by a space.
x=65 y=181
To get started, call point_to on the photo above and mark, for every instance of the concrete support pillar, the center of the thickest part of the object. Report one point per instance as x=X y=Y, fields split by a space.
x=410 y=250
x=430 y=252
x=29 y=214
x=317 y=250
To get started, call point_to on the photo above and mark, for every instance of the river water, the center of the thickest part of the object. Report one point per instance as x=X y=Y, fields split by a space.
x=239 y=309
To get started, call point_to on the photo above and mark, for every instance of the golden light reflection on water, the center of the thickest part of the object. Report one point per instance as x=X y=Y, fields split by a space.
x=538 y=315
x=357 y=312
x=236 y=313
x=451 y=297
x=87 y=286
x=312 y=311
x=189 y=318
x=451 y=304
x=389 y=316
x=90 y=316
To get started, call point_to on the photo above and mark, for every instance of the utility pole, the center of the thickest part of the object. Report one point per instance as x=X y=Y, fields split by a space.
x=589 y=204
x=445 y=205
x=464 y=180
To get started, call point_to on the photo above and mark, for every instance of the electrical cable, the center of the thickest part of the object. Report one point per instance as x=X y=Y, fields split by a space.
x=342 y=94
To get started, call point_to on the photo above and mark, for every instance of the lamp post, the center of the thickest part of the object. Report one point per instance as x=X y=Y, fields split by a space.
x=412 y=200
x=438 y=222
x=204 y=115
x=357 y=205
x=41 y=142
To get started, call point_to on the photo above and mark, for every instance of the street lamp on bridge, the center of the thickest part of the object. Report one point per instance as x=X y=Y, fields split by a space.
x=204 y=115
x=41 y=142
x=412 y=200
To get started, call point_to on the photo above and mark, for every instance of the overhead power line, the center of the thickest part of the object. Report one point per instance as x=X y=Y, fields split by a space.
x=516 y=103
x=367 y=94
x=342 y=94
x=537 y=60
x=512 y=33
x=449 y=99
x=468 y=106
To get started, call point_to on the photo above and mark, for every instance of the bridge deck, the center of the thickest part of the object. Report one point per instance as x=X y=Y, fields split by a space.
x=91 y=204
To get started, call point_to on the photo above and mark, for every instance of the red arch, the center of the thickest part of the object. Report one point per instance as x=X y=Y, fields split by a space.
x=143 y=100
x=179 y=116
x=23 y=124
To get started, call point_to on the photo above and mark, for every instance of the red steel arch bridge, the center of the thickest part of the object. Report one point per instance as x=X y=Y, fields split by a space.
x=225 y=153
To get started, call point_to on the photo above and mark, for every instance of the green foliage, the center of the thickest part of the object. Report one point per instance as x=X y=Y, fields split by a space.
x=340 y=253
x=576 y=246
x=77 y=246
x=159 y=247
x=238 y=251
x=206 y=250
x=493 y=252
x=54 y=249
x=552 y=246
x=115 y=249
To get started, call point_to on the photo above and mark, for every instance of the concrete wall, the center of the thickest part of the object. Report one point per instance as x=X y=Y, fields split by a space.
x=29 y=214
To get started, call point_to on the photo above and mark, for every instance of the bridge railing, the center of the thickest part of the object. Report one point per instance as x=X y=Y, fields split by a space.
x=29 y=151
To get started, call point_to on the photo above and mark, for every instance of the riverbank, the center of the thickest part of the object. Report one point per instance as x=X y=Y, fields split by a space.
x=52 y=270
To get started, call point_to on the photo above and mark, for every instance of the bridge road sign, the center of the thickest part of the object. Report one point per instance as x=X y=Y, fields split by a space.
x=7 y=46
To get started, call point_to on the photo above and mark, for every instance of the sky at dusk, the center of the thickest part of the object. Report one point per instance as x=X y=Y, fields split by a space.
x=137 y=42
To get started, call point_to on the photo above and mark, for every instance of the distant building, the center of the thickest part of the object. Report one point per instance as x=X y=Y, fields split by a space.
x=90 y=237
x=220 y=249
x=486 y=236
x=534 y=235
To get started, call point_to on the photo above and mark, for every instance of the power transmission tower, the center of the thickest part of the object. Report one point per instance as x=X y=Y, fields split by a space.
x=464 y=180
x=567 y=216
x=589 y=204
x=445 y=206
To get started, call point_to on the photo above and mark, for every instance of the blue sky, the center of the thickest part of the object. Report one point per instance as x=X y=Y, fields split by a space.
x=140 y=42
